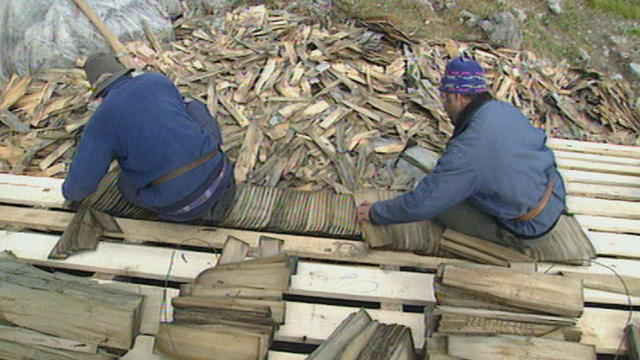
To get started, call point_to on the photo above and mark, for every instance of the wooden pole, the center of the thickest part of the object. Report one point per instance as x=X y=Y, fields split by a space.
x=113 y=41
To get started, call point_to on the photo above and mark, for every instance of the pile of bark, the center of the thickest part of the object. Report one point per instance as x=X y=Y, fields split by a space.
x=230 y=312
x=63 y=317
x=308 y=107
x=488 y=312
x=359 y=337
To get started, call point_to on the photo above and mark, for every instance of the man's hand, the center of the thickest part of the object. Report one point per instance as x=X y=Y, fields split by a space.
x=362 y=212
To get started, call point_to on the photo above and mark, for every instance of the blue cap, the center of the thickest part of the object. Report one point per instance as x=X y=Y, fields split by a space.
x=463 y=75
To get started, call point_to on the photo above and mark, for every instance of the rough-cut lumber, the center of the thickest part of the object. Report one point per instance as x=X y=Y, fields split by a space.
x=589 y=177
x=340 y=338
x=597 y=191
x=83 y=311
x=616 y=225
x=535 y=291
x=604 y=328
x=29 y=337
x=509 y=347
x=594 y=148
x=612 y=244
x=17 y=351
x=203 y=343
x=111 y=258
x=602 y=207
x=362 y=283
x=619 y=169
x=595 y=158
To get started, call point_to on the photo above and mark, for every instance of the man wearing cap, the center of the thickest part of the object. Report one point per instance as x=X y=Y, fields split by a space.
x=169 y=152
x=496 y=179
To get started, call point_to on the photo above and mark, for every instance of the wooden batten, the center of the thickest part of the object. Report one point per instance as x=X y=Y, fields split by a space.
x=509 y=347
x=535 y=291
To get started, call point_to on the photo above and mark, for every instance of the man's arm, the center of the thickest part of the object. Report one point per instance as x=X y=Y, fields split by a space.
x=452 y=181
x=89 y=165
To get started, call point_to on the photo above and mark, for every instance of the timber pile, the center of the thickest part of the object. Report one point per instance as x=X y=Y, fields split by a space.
x=230 y=311
x=311 y=108
x=358 y=337
x=57 y=316
x=487 y=312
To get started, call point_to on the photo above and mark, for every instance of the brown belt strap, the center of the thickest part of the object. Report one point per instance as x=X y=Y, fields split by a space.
x=185 y=168
x=538 y=209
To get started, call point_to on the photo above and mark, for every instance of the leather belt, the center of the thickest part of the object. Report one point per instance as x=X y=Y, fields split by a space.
x=541 y=205
x=185 y=168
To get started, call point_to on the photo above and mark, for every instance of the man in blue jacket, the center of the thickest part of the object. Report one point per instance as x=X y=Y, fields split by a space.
x=496 y=180
x=169 y=152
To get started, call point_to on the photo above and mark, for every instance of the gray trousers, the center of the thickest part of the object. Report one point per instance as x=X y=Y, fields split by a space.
x=467 y=219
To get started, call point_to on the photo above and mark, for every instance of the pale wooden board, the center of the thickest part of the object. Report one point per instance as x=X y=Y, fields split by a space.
x=362 y=283
x=208 y=237
x=594 y=148
x=587 y=165
x=600 y=265
x=604 y=328
x=608 y=224
x=31 y=190
x=143 y=350
x=317 y=322
x=613 y=244
x=603 y=191
x=602 y=207
x=607 y=297
x=112 y=258
x=590 y=177
x=596 y=158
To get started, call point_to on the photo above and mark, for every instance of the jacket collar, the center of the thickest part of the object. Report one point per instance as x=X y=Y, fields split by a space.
x=462 y=121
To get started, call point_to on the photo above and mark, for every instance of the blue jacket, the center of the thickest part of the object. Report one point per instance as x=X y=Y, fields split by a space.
x=143 y=124
x=498 y=162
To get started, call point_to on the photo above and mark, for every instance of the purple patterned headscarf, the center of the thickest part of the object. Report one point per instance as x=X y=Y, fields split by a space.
x=463 y=75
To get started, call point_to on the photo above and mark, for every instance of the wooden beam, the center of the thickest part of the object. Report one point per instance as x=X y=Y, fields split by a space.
x=612 y=244
x=590 y=177
x=595 y=158
x=619 y=169
x=598 y=191
x=31 y=190
x=211 y=237
x=602 y=207
x=608 y=224
x=604 y=328
x=594 y=148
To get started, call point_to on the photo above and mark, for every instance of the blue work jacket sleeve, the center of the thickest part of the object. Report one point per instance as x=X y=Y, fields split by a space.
x=452 y=181
x=89 y=165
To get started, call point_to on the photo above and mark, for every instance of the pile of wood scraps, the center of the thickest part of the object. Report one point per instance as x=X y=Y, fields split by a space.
x=307 y=107
x=487 y=312
x=59 y=316
x=230 y=311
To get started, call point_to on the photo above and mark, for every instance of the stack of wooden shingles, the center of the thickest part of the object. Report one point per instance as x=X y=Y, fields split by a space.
x=230 y=311
x=63 y=317
x=359 y=337
x=489 y=312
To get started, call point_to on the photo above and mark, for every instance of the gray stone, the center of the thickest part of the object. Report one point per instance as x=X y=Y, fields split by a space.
x=635 y=69
x=469 y=19
x=584 y=55
x=520 y=14
x=555 y=6
x=503 y=30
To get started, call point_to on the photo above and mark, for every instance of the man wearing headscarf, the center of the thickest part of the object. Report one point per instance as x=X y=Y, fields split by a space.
x=496 y=180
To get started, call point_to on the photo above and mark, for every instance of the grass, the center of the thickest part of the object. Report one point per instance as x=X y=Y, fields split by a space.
x=629 y=9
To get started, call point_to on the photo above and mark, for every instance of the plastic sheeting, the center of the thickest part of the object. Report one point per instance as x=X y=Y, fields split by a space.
x=37 y=34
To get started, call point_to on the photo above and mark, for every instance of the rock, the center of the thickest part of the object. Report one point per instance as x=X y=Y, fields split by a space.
x=617 y=40
x=635 y=69
x=520 y=14
x=469 y=19
x=216 y=7
x=584 y=55
x=554 y=6
x=503 y=30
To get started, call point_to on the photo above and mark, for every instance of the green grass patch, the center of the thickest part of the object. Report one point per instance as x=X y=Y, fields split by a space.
x=629 y=9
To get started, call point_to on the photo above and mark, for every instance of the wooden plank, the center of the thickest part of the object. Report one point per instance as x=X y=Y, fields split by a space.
x=602 y=207
x=207 y=237
x=362 y=283
x=604 y=328
x=595 y=158
x=601 y=223
x=143 y=350
x=600 y=265
x=313 y=323
x=612 y=244
x=594 y=148
x=34 y=338
x=619 y=169
x=598 y=191
x=112 y=258
x=30 y=190
x=509 y=347
x=589 y=177
x=606 y=297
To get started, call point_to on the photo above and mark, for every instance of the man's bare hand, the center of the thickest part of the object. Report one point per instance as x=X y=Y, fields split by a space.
x=362 y=212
